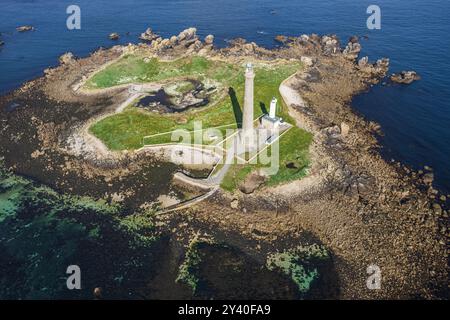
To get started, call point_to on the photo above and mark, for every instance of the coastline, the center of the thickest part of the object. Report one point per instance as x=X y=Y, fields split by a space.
x=358 y=192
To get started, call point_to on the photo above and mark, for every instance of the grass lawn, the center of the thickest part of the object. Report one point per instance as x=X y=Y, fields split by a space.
x=293 y=150
x=135 y=69
x=126 y=131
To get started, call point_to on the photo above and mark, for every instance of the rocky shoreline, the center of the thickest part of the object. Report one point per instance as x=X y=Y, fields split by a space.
x=366 y=210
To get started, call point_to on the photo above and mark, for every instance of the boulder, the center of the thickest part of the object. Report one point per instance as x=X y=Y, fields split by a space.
x=173 y=40
x=249 y=47
x=234 y=204
x=363 y=62
x=25 y=28
x=196 y=45
x=352 y=50
x=252 y=182
x=373 y=72
x=330 y=45
x=156 y=43
x=188 y=34
x=345 y=129
x=114 y=36
x=148 y=35
x=428 y=178
x=238 y=42
x=66 y=58
x=307 y=61
x=381 y=67
x=209 y=39
x=165 y=43
x=405 y=77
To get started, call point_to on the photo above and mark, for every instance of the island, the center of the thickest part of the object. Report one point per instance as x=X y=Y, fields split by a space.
x=94 y=136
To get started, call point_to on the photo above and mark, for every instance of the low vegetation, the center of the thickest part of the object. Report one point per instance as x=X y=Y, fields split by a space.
x=188 y=271
x=300 y=264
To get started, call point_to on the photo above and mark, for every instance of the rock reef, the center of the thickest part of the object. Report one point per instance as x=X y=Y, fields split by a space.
x=405 y=77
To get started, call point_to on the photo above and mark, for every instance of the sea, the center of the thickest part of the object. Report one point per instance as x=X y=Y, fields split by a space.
x=414 y=34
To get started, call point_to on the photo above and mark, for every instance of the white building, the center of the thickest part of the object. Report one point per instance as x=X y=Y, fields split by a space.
x=271 y=121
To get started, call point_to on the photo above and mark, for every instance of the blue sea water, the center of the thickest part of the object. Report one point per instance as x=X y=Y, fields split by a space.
x=414 y=35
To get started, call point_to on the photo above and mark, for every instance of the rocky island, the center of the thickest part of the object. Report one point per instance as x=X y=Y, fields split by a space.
x=95 y=127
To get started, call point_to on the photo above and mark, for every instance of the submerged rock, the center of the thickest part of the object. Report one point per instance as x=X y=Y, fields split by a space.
x=405 y=77
x=353 y=39
x=25 y=28
x=281 y=39
x=114 y=36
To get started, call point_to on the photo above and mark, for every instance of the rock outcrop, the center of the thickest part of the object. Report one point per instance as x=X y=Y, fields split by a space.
x=373 y=72
x=405 y=77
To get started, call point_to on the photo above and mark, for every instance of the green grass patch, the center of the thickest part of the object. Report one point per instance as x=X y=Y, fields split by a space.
x=126 y=131
x=138 y=69
x=293 y=161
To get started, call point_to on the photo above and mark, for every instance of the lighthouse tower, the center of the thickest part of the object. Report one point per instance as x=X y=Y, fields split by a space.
x=247 y=121
x=273 y=108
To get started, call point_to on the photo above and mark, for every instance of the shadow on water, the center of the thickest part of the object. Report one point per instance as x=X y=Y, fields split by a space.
x=228 y=273
x=236 y=106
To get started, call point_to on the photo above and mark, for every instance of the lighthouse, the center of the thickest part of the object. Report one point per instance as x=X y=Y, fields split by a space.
x=247 y=121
